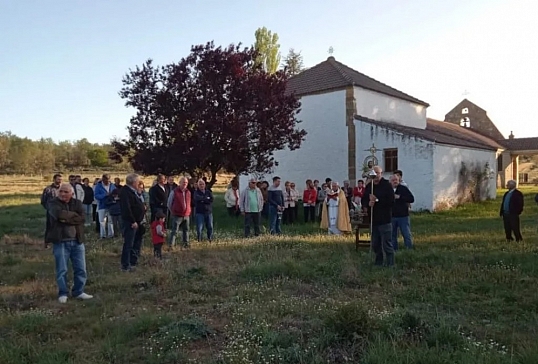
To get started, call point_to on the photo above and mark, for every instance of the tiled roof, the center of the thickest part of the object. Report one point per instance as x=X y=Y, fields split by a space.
x=331 y=74
x=436 y=131
x=463 y=133
x=520 y=143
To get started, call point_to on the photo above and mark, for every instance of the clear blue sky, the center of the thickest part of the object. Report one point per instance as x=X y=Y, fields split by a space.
x=61 y=62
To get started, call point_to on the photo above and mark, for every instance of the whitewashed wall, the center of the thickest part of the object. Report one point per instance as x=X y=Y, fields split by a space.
x=380 y=107
x=324 y=153
x=447 y=166
x=415 y=157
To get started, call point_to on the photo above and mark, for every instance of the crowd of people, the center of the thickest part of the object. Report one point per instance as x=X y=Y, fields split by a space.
x=167 y=209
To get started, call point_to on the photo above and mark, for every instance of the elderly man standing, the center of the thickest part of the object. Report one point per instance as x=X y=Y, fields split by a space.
x=511 y=208
x=179 y=204
x=382 y=201
x=133 y=212
x=50 y=193
x=400 y=212
x=67 y=233
x=203 y=200
x=251 y=206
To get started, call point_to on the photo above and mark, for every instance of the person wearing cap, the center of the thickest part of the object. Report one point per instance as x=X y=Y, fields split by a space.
x=251 y=206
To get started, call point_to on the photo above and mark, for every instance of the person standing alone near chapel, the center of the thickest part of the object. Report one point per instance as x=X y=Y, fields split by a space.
x=511 y=208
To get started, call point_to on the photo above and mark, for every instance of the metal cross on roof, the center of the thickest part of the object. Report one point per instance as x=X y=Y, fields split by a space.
x=373 y=150
x=331 y=50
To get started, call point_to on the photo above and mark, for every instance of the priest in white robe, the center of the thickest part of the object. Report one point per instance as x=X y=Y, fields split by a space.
x=335 y=211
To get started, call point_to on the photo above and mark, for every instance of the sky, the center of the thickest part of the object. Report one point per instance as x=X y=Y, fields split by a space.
x=62 y=61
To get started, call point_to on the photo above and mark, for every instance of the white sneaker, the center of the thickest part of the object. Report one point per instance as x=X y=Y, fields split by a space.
x=62 y=299
x=84 y=296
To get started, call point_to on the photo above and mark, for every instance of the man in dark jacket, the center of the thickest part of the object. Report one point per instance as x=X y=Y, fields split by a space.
x=88 y=200
x=66 y=233
x=158 y=196
x=49 y=194
x=133 y=212
x=511 y=208
x=275 y=200
x=400 y=212
x=203 y=202
x=382 y=201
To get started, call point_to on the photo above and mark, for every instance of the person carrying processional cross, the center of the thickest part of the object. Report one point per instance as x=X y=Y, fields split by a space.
x=335 y=211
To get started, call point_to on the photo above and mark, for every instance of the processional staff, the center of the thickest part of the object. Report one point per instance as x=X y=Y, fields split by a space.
x=371 y=176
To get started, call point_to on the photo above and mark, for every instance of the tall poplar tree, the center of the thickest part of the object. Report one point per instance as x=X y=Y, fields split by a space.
x=267 y=48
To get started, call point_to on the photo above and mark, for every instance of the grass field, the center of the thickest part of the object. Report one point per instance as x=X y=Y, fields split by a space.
x=463 y=296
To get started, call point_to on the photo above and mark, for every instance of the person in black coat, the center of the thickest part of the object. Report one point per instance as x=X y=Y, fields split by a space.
x=400 y=212
x=511 y=208
x=382 y=201
x=132 y=214
x=158 y=197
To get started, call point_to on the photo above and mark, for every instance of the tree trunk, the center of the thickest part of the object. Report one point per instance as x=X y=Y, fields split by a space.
x=213 y=179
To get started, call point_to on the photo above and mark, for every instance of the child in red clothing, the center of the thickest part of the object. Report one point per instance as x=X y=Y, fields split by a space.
x=158 y=233
x=358 y=192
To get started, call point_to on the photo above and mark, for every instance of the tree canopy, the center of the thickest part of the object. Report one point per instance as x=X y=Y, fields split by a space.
x=215 y=109
x=293 y=63
x=267 y=48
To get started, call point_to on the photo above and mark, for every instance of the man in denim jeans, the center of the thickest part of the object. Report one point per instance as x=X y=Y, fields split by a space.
x=203 y=202
x=180 y=206
x=382 y=201
x=66 y=233
x=251 y=206
x=275 y=200
x=400 y=212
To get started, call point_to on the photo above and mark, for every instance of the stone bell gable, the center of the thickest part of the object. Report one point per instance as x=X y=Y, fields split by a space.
x=468 y=115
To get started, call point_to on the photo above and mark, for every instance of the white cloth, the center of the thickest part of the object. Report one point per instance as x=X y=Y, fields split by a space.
x=332 y=215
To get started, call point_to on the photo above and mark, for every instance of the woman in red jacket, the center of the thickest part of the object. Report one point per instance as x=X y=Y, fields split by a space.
x=309 y=202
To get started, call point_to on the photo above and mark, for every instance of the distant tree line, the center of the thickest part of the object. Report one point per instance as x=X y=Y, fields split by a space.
x=26 y=156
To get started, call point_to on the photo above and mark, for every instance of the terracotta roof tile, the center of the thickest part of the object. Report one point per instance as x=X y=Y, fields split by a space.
x=460 y=132
x=520 y=143
x=331 y=75
x=435 y=133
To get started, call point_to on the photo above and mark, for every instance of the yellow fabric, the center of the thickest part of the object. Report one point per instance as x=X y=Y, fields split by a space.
x=343 y=222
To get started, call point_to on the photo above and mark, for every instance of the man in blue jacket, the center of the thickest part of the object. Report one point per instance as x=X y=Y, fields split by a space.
x=275 y=200
x=400 y=212
x=102 y=190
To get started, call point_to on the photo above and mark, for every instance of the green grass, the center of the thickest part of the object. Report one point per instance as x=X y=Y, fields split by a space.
x=463 y=296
